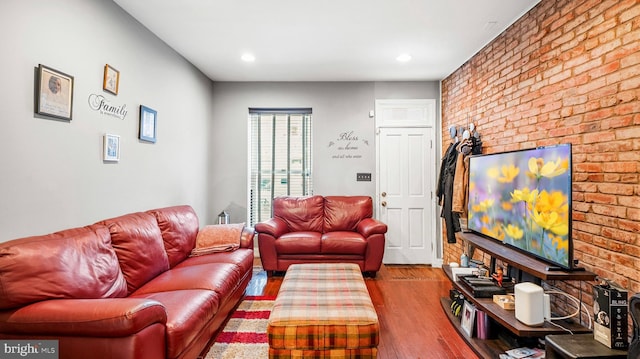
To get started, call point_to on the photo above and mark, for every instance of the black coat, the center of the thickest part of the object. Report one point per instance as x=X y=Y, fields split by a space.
x=445 y=192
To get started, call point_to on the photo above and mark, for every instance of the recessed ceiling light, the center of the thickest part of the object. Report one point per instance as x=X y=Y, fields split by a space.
x=248 y=58
x=404 y=58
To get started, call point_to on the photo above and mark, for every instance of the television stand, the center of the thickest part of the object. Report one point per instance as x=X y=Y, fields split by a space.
x=574 y=269
x=517 y=259
x=505 y=319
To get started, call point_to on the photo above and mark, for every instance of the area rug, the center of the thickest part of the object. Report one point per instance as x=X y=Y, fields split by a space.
x=245 y=335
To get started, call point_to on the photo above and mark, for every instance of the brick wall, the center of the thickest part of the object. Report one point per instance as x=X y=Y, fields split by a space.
x=567 y=71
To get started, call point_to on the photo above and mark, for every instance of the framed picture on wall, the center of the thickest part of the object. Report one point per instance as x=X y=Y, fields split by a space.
x=148 y=124
x=111 y=150
x=54 y=93
x=111 y=80
x=468 y=318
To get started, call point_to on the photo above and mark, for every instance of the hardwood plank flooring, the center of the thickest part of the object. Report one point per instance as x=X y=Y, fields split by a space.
x=407 y=299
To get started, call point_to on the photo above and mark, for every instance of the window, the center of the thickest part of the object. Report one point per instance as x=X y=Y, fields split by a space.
x=280 y=158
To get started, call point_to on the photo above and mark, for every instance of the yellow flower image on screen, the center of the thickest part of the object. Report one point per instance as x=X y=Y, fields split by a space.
x=523 y=198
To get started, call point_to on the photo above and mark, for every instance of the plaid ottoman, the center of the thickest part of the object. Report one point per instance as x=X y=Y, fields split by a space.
x=323 y=310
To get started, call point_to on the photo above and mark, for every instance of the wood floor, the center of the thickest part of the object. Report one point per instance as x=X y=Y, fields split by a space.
x=407 y=299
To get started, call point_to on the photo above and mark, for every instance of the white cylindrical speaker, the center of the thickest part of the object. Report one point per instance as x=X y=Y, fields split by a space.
x=529 y=304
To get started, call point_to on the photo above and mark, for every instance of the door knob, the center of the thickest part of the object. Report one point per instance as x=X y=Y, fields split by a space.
x=384 y=203
x=383 y=194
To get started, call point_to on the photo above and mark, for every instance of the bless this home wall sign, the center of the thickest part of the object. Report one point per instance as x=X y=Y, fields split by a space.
x=346 y=145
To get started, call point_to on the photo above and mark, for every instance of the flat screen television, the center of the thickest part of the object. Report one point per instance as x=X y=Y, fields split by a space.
x=523 y=199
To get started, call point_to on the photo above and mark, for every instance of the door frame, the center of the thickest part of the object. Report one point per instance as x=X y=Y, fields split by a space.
x=432 y=122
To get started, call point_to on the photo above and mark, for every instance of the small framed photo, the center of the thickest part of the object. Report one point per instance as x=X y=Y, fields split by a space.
x=468 y=318
x=54 y=93
x=111 y=151
x=111 y=79
x=148 y=124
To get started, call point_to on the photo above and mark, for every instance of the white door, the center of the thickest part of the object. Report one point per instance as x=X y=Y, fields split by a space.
x=406 y=179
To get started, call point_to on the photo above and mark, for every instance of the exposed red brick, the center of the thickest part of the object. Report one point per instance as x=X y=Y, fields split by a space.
x=627 y=133
x=587 y=227
x=629 y=201
x=568 y=72
x=624 y=272
x=614 y=146
x=620 y=167
x=585 y=187
x=600 y=198
x=615 y=188
x=622 y=236
x=616 y=122
x=603 y=157
x=632 y=250
x=608 y=212
x=602 y=244
x=628 y=178
x=600 y=216
x=633 y=214
x=588 y=167
x=628 y=14
x=634 y=287
x=605 y=69
x=603 y=113
x=623 y=260
x=580 y=207
x=587 y=248
x=621 y=7
x=578 y=216
x=629 y=225
x=616 y=247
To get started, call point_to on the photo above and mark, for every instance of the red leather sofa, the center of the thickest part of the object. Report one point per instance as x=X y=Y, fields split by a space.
x=122 y=288
x=321 y=229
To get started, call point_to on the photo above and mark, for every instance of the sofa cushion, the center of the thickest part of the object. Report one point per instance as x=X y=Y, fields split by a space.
x=179 y=226
x=221 y=278
x=300 y=213
x=243 y=257
x=343 y=242
x=299 y=243
x=76 y=263
x=342 y=213
x=188 y=313
x=139 y=246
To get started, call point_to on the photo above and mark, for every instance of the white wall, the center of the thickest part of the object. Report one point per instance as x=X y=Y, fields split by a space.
x=337 y=107
x=52 y=175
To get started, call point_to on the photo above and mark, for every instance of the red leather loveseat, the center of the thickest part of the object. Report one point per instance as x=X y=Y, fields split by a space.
x=321 y=229
x=122 y=288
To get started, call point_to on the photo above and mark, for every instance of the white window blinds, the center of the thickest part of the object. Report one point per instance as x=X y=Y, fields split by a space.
x=280 y=158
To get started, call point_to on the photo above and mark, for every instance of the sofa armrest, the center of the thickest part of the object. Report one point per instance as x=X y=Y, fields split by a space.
x=110 y=317
x=369 y=226
x=275 y=227
x=246 y=237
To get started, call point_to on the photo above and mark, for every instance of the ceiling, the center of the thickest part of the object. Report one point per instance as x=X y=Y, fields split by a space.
x=327 y=40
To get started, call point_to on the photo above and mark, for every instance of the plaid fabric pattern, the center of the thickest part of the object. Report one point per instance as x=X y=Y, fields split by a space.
x=324 y=309
x=362 y=353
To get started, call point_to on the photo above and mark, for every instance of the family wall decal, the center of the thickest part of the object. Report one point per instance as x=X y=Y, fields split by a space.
x=101 y=104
